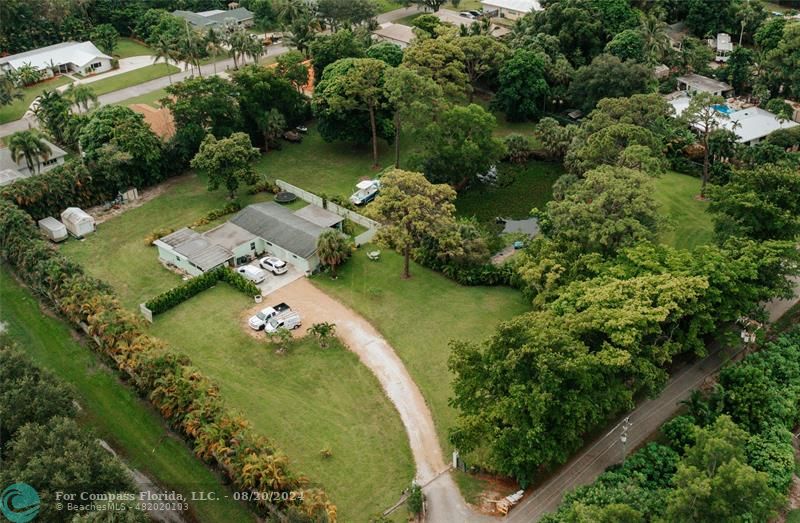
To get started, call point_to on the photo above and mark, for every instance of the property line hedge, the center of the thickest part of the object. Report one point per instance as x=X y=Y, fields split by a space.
x=177 y=295
x=189 y=402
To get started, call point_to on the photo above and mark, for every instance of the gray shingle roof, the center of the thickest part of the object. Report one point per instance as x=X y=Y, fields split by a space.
x=197 y=248
x=239 y=15
x=280 y=226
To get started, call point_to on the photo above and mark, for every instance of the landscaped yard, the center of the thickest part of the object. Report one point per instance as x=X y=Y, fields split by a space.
x=127 y=47
x=15 y=110
x=690 y=224
x=521 y=188
x=135 y=77
x=117 y=253
x=111 y=409
x=321 y=167
x=307 y=400
x=420 y=316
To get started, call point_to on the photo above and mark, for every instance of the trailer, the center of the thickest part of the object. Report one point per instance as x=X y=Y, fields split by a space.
x=53 y=229
x=77 y=222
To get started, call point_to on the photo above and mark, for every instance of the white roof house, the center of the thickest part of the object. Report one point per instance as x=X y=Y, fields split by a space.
x=697 y=82
x=398 y=34
x=751 y=124
x=11 y=171
x=78 y=57
x=511 y=8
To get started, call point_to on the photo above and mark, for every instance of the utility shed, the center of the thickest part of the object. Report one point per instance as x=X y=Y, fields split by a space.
x=53 y=229
x=77 y=222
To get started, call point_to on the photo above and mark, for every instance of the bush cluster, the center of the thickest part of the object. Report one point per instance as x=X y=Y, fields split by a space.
x=177 y=295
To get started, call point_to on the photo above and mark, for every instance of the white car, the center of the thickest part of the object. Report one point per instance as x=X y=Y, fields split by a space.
x=274 y=265
x=254 y=274
x=259 y=320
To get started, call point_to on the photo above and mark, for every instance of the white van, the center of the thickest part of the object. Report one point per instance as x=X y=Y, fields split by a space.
x=254 y=274
x=286 y=320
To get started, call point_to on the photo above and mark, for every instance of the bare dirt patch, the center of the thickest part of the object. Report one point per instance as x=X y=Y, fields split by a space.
x=101 y=214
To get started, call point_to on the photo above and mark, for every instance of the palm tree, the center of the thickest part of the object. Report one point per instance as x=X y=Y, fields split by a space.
x=82 y=95
x=53 y=113
x=31 y=146
x=654 y=34
x=189 y=47
x=302 y=32
x=271 y=124
x=165 y=51
x=213 y=46
x=238 y=41
x=333 y=249
x=254 y=49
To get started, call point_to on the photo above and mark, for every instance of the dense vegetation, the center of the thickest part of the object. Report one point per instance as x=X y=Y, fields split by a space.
x=177 y=295
x=729 y=459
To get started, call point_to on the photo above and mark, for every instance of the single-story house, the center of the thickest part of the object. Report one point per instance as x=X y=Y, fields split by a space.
x=511 y=9
x=750 y=124
x=11 y=171
x=677 y=33
x=448 y=16
x=67 y=57
x=697 y=82
x=258 y=229
x=397 y=34
x=217 y=17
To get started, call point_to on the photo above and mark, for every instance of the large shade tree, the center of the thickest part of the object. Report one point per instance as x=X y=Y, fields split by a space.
x=410 y=210
x=227 y=161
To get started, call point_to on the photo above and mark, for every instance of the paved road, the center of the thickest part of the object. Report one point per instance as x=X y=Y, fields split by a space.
x=160 y=83
x=646 y=419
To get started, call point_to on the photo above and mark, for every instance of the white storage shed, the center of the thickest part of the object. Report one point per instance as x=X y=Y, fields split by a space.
x=53 y=229
x=77 y=222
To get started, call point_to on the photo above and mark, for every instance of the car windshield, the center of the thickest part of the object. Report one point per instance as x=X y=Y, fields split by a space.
x=273 y=322
x=261 y=316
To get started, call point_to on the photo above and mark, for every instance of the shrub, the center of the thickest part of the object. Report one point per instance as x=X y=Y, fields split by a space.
x=150 y=239
x=415 y=500
x=518 y=148
x=177 y=295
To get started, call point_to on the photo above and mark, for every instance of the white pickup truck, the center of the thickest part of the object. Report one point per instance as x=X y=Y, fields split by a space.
x=260 y=319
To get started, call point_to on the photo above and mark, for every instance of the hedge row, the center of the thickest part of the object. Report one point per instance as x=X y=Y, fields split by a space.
x=188 y=401
x=177 y=295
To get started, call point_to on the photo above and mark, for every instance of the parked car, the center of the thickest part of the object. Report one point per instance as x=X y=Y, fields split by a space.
x=367 y=191
x=468 y=14
x=476 y=14
x=289 y=320
x=259 y=320
x=274 y=265
x=254 y=274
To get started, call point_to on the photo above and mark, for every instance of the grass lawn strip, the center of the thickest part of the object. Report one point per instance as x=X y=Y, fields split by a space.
x=135 y=77
x=110 y=409
x=17 y=108
x=691 y=225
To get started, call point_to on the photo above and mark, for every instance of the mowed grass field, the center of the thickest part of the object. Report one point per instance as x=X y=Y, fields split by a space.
x=528 y=186
x=420 y=316
x=689 y=223
x=111 y=409
x=127 y=47
x=306 y=400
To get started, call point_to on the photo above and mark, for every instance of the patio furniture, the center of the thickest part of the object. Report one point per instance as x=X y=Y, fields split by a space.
x=374 y=255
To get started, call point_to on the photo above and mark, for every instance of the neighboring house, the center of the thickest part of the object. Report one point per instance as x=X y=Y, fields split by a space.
x=11 y=171
x=750 y=124
x=398 y=34
x=217 y=18
x=258 y=229
x=511 y=9
x=68 y=57
x=160 y=120
x=696 y=82
x=451 y=17
x=676 y=33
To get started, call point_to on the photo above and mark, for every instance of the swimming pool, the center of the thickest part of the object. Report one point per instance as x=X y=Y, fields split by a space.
x=724 y=109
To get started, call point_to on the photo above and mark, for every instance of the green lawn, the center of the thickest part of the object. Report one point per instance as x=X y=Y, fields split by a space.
x=420 y=316
x=127 y=47
x=117 y=254
x=305 y=401
x=321 y=167
x=793 y=516
x=15 y=110
x=151 y=99
x=689 y=223
x=521 y=188
x=110 y=409
x=135 y=77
